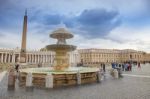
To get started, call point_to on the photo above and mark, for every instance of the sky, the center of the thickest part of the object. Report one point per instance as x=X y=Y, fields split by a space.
x=104 y=24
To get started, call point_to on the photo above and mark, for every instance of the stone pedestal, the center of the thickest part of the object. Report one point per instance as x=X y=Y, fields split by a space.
x=99 y=76
x=115 y=73
x=29 y=80
x=49 y=81
x=78 y=78
x=22 y=60
x=11 y=80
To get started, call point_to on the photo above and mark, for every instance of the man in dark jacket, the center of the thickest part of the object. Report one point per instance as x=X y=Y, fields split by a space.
x=17 y=67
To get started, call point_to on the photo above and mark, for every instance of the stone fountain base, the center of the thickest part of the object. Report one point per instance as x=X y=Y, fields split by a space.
x=50 y=78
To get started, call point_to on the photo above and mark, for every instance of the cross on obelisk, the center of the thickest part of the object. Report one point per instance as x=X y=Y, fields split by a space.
x=24 y=36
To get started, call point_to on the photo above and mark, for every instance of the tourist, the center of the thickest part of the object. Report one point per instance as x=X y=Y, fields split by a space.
x=139 y=65
x=104 y=69
x=129 y=67
x=17 y=68
x=113 y=65
x=119 y=65
x=126 y=67
x=123 y=65
x=101 y=65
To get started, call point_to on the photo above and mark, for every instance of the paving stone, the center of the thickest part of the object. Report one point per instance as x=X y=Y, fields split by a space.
x=127 y=87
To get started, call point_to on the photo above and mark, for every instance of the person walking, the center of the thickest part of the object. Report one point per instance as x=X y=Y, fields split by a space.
x=123 y=66
x=126 y=67
x=129 y=67
x=104 y=69
x=139 y=65
x=17 y=71
x=17 y=68
x=113 y=65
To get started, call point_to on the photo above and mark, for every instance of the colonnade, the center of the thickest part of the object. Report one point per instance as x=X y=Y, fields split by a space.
x=35 y=57
x=40 y=58
x=8 y=56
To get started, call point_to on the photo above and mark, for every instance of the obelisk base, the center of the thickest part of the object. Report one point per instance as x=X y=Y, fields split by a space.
x=22 y=60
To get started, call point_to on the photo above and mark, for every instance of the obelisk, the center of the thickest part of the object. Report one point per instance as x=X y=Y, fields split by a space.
x=24 y=37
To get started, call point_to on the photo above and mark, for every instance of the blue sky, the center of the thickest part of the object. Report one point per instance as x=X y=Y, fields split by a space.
x=112 y=24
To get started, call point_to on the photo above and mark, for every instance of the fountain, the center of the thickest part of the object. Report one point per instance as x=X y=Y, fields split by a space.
x=61 y=48
x=60 y=74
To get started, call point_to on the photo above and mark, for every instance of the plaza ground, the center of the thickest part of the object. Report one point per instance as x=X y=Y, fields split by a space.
x=134 y=85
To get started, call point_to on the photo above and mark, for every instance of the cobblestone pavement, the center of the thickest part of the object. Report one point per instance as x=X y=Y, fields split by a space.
x=128 y=87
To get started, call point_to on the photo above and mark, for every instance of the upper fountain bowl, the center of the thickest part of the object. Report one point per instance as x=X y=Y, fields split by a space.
x=61 y=33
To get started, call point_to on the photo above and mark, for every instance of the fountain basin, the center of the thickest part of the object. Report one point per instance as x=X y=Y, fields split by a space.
x=55 y=47
x=65 y=77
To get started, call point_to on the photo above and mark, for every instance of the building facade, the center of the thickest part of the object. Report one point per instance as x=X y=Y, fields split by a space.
x=98 y=56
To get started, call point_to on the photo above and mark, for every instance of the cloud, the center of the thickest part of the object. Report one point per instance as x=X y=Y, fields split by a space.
x=97 y=23
x=93 y=23
x=47 y=19
x=2 y=35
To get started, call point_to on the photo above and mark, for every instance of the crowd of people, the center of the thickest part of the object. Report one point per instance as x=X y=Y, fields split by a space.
x=127 y=66
x=124 y=66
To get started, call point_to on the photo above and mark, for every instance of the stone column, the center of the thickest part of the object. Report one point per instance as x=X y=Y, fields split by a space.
x=27 y=56
x=48 y=58
x=35 y=58
x=38 y=58
x=13 y=58
x=51 y=61
x=5 y=58
x=8 y=58
x=19 y=57
x=42 y=58
x=2 y=57
x=30 y=58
